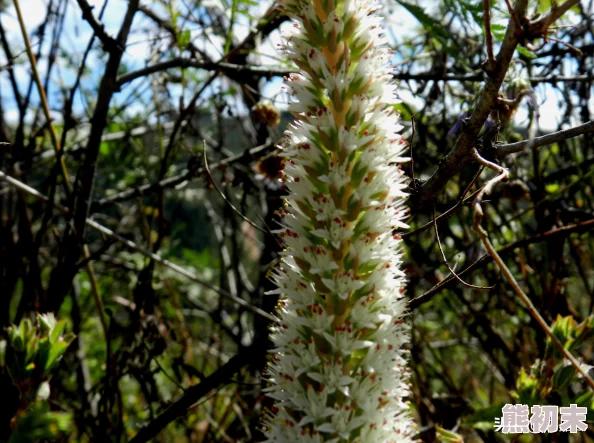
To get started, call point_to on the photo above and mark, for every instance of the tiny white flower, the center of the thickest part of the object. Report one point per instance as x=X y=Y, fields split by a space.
x=339 y=360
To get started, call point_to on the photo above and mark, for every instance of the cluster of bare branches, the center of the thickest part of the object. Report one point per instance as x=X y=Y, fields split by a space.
x=138 y=200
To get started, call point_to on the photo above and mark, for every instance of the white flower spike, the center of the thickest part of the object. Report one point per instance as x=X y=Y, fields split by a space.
x=339 y=369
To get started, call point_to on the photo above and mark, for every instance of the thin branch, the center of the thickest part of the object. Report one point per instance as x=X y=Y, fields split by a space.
x=488 y=35
x=223 y=67
x=194 y=393
x=561 y=78
x=58 y=151
x=512 y=13
x=479 y=76
x=542 y=24
x=74 y=234
x=110 y=44
x=237 y=211
x=133 y=246
x=445 y=260
x=503 y=175
x=461 y=201
x=412 y=161
x=555 y=137
x=507 y=249
x=460 y=155
x=9 y=66
x=531 y=308
x=478 y=215
x=41 y=91
x=176 y=180
x=267 y=72
x=572 y=48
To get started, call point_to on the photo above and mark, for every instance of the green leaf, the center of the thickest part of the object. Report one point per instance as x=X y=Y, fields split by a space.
x=57 y=331
x=446 y=436
x=432 y=26
x=104 y=148
x=527 y=389
x=525 y=52
x=184 y=38
x=498 y=31
x=543 y=5
x=2 y=353
x=55 y=353
x=229 y=39
x=585 y=399
x=32 y=348
x=38 y=423
x=563 y=377
x=46 y=321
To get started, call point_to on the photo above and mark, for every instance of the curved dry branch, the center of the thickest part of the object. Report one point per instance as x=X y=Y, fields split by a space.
x=555 y=137
x=484 y=236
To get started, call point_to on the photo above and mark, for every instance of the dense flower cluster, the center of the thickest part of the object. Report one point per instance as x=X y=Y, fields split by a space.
x=339 y=369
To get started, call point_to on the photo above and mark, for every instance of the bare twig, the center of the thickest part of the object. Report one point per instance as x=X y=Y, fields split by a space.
x=131 y=245
x=478 y=76
x=531 y=308
x=542 y=24
x=478 y=215
x=461 y=201
x=10 y=57
x=460 y=155
x=445 y=260
x=109 y=43
x=174 y=181
x=223 y=67
x=507 y=249
x=555 y=137
x=237 y=211
x=58 y=149
x=572 y=48
x=488 y=35
x=412 y=161
x=503 y=175
x=512 y=13
x=74 y=235
x=194 y=393
x=267 y=72
x=41 y=91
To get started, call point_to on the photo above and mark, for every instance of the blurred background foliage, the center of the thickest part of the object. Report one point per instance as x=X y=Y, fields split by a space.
x=162 y=324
